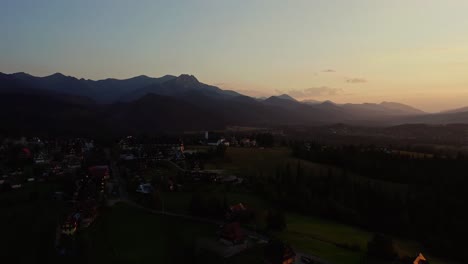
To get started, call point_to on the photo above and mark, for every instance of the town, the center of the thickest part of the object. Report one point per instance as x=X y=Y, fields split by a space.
x=141 y=198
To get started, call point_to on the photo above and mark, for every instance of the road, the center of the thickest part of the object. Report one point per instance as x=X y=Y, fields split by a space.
x=125 y=199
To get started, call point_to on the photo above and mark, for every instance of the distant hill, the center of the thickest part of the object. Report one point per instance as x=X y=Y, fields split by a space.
x=286 y=97
x=65 y=104
x=102 y=91
x=439 y=118
x=401 y=108
x=311 y=101
x=23 y=114
x=113 y=90
x=178 y=86
x=456 y=110
x=384 y=109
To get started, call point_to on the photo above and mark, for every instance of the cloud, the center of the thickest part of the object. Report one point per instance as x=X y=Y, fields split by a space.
x=328 y=70
x=356 y=80
x=313 y=92
x=253 y=93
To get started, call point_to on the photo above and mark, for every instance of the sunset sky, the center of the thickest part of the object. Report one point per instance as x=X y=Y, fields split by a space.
x=410 y=51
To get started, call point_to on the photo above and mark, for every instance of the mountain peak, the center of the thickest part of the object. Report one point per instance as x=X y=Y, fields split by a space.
x=401 y=107
x=283 y=97
x=311 y=101
x=286 y=97
x=21 y=74
x=143 y=76
x=328 y=102
x=57 y=74
x=187 y=79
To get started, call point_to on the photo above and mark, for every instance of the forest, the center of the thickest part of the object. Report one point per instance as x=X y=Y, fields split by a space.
x=425 y=196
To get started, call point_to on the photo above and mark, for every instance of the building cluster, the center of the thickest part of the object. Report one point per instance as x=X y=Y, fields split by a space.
x=132 y=148
x=30 y=160
x=68 y=165
x=89 y=193
x=232 y=141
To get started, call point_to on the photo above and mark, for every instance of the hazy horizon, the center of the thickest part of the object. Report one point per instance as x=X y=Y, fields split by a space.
x=413 y=52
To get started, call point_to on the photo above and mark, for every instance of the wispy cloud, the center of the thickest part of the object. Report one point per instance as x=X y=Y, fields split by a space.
x=253 y=93
x=356 y=80
x=313 y=92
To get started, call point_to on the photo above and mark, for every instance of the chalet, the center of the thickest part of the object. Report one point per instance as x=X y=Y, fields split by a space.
x=232 y=234
x=87 y=213
x=128 y=156
x=40 y=159
x=99 y=171
x=204 y=176
x=25 y=153
x=235 y=210
x=88 y=145
x=69 y=226
x=420 y=260
x=279 y=253
x=172 y=185
x=226 y=179
x=57 y=170
x=72 y=162
x=179 y=155
x=145 y=188
x=216 y=142
x=246 y=142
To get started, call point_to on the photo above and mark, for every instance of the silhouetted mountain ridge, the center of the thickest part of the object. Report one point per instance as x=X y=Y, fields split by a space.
x=144 y=104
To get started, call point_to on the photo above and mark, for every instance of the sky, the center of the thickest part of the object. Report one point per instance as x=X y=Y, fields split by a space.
x=409 y=51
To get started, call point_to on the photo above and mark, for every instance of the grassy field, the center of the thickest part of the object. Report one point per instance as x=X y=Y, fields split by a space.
x=28 y=220
x=265 y=162
x=150 y=233
x=251 y=161
x=329 y=240
x=307 y=234
x=326 y=239
x=124 y=234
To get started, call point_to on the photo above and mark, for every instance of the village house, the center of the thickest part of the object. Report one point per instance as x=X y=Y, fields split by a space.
x=41 y=158
x=69 y=227
x=247 y=142
x=145 y=188
x=99 y=171
x=232 y=234
x=234 y=211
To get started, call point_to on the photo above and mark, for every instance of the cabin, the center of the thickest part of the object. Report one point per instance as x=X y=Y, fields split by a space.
x=277 y=252
x=237 y=208
x=69 y=226
x=145 y=188
x=247 y=142
x=216 y=142
x=232 y=234
x=236 y=211
x=40 y=159
x=25 y=153
x=88 y=212
x=101 y=171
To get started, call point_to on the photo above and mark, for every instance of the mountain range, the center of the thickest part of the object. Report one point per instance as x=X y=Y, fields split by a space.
x=173 y=103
